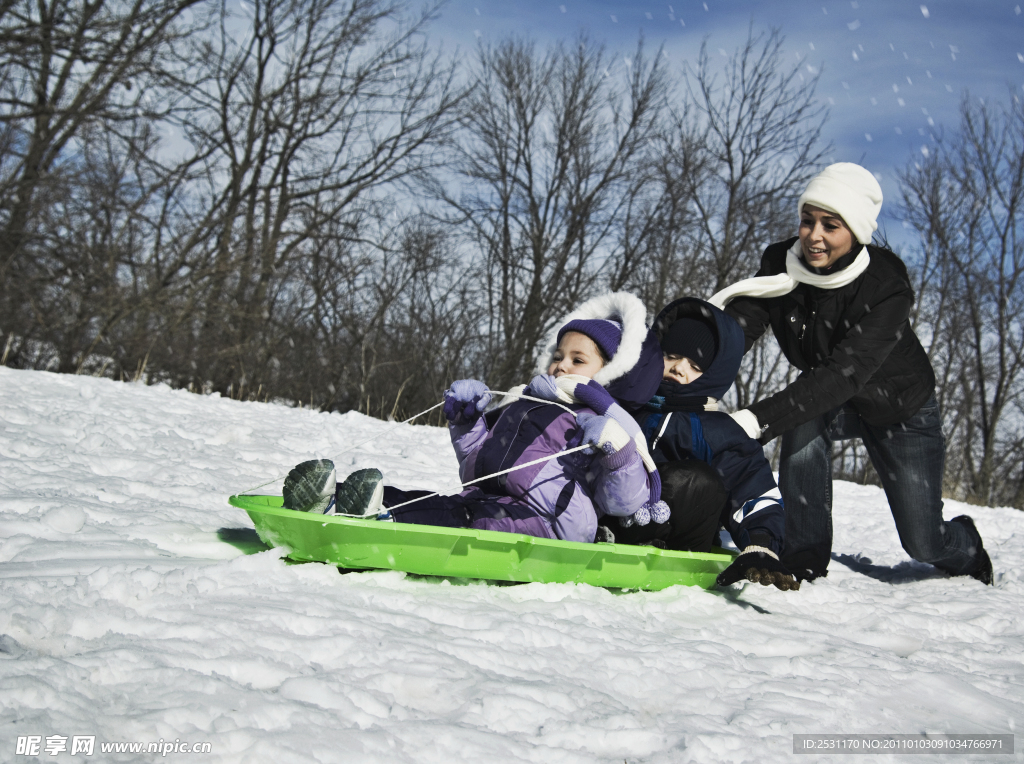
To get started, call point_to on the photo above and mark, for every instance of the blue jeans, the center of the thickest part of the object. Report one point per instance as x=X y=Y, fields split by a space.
x=908 y=457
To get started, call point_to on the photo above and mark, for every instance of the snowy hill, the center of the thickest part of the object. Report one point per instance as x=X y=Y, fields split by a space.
x=129 y=612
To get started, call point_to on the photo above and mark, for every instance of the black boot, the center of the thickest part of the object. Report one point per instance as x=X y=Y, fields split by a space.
x=983 y=565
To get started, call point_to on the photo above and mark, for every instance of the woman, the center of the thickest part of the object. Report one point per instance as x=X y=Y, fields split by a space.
x=839 y=308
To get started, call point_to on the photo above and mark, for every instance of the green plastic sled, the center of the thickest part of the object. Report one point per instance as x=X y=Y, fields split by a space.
x=467 y=553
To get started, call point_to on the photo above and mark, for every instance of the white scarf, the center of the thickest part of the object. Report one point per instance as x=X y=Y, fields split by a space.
x=796 y=273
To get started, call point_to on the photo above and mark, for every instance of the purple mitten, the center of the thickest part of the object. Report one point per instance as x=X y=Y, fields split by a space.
x=543 y=386
x=593 y=396
x=604 y=433
x=465 y=400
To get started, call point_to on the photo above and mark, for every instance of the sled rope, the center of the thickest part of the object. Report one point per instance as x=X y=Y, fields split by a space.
x=520 y=396
x=496 y=474
x=396 y=425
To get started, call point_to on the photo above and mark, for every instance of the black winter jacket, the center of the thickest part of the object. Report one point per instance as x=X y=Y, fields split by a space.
x=853 y=344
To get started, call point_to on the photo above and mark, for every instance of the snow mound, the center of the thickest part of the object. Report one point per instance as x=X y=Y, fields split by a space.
x=130 y=611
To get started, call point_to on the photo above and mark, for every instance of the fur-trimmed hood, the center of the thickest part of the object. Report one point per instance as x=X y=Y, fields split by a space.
x=633 y=374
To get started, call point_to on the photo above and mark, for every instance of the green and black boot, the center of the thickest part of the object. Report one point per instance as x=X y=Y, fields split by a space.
x=309 y=487
x=361 y=494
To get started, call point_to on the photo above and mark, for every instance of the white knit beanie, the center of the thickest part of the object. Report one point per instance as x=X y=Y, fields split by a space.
x=851 y=192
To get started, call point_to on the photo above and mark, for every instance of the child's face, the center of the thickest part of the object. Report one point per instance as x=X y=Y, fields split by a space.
x=576 y=354
x=681 y=369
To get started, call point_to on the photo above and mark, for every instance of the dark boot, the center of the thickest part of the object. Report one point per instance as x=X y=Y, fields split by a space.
x=309 y=486
x=983 y=566
x=361 y=494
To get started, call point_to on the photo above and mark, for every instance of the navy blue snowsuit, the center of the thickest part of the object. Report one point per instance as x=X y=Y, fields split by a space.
x=684 y=435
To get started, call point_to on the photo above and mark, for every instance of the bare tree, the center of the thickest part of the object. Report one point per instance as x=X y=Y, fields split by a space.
x=70 y=73
x=739 y=149
x=307 y=108
x=550 y=166
x=760 y=126
x=966 y=200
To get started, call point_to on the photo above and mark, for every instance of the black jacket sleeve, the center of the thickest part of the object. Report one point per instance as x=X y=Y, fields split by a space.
x=845 y=371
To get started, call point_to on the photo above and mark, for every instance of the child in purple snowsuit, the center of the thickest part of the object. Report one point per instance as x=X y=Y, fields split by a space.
x=601 y=364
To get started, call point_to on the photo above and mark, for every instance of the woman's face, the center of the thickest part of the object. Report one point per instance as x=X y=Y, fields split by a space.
x=576 y=354
x=823 y=236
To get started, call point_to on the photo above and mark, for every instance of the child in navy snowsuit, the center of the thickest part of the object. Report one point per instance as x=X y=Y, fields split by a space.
x=713 y=474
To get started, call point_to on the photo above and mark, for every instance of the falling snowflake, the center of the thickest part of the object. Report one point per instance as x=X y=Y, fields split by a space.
x=924 y=11
x=867 y=137
x=924 y=150
x=854 y=25
x=615 y=20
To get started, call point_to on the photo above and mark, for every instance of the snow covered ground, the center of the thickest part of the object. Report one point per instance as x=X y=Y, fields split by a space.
x=129 y=611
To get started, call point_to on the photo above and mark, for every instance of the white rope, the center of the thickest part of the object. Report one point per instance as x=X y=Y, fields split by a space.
x=354 y=445
x=508 y=393
x=497 y=474
x=511 y=394
x=520 y=396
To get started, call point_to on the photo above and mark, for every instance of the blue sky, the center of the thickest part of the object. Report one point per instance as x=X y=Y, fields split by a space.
x=893 y=73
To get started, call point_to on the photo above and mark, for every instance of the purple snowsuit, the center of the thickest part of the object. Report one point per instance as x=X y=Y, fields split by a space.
x=561 y=498
x=558 y=499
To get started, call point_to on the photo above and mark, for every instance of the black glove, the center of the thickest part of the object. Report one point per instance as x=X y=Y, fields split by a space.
x=760 y=565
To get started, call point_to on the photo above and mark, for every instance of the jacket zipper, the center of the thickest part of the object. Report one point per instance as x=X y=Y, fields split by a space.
x=807 y=337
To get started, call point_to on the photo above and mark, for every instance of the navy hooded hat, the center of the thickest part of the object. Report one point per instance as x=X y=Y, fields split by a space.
x=729 y=343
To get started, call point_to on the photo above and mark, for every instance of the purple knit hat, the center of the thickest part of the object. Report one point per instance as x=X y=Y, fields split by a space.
x=605 y=333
